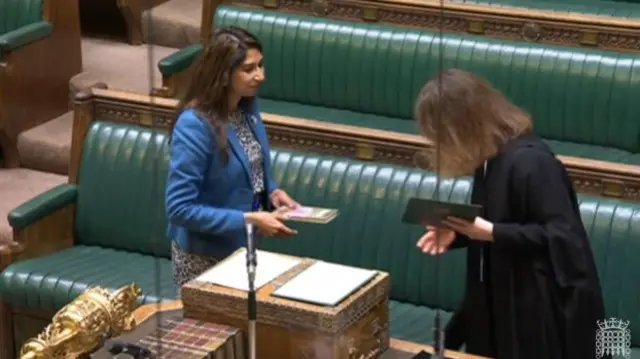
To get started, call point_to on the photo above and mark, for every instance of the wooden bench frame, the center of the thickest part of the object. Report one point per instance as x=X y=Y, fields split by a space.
x=34 y=79
x=131 y=11
x=558 y=28
x=589 y=176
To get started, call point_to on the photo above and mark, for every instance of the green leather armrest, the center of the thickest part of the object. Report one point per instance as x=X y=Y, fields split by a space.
x=25 y=35
x=179 y=61
x=42 y=205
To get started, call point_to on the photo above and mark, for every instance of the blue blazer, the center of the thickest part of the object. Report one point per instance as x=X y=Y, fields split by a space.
x=205 y=199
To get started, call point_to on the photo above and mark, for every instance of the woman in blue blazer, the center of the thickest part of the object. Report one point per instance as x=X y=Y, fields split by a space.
x=219 y=176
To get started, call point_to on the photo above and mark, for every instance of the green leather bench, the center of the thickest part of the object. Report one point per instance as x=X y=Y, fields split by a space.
x=582 y=100
x=119 y=231
x=603 y=24
x=39 y=53
x=21 y=23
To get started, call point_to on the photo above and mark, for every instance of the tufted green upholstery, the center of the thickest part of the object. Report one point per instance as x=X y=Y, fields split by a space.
x=15 y=14
x=20 y=24
x=116 y=158
x=119 y=225
x=616 y=8
x=119 y=231
x=371 y=199
x=582 y=100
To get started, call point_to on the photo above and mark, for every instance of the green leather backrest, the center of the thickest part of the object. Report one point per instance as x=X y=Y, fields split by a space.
x=574 y=94
x=121 y=180
x=614 y=233
x=121 y=206
x=369 y=232
x=121 y=191
x=17 y=13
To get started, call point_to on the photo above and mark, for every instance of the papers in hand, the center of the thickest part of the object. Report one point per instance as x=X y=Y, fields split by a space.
x=325 y=283
x=312 y=214
x=232 y=272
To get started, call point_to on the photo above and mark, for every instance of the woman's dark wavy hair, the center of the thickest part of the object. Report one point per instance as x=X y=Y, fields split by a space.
x=208 y=91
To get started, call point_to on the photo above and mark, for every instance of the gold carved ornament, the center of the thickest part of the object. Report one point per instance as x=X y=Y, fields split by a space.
x=82 y=325
x=531 y=32
x=320 y=7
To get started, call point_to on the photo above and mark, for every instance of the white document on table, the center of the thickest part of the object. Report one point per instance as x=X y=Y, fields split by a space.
x=232 y=272
x=325 y=283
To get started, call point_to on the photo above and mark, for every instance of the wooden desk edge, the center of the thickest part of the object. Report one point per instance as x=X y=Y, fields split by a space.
x=146 y=311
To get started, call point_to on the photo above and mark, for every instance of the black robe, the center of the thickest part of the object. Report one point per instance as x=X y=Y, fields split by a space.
x=534 y=291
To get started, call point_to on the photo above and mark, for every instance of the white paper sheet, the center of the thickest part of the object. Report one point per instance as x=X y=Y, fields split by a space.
x=325 y=283
x=232 y=272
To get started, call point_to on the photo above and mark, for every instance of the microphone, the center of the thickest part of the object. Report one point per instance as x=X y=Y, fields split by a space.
x=252 y=258
x=252 y=263
x=116 y=347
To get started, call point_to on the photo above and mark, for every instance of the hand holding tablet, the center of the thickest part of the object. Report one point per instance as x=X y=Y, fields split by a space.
x=428 y=212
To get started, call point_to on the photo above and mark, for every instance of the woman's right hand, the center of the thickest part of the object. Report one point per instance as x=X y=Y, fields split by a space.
x=270 y=223
x=432 y=245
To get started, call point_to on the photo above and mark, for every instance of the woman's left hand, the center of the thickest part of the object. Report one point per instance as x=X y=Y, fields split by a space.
x=280 y=198
x=480 y=229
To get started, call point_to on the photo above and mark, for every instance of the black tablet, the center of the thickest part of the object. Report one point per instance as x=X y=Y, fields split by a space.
x=431 y=212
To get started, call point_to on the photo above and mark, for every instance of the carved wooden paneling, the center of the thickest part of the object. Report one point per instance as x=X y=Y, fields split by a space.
x=596 y=182
x=558 y=28
x=589 y=176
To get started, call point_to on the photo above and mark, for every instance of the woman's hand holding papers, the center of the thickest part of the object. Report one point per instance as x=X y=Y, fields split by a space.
x=270 y=223
x=280 y=198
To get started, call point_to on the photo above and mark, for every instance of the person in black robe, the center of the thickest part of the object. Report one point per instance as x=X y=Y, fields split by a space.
x=532 y=287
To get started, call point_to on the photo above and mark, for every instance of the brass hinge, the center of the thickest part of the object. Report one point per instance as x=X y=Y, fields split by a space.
x=364 y=151
x=475 y=27
x=612 y=188
x=370 y=14
x=590 y=38
x=146 y=119
x=271 y=4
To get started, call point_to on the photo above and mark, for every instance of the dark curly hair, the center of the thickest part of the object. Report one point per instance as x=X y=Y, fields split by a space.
x=208 y=91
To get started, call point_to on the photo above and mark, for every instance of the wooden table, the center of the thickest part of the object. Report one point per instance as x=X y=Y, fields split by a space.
x=147 y=311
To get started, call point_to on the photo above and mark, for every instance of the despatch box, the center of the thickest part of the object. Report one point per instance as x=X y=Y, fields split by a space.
x=357 y=327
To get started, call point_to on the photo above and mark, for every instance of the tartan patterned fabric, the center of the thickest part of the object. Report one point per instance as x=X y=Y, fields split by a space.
x=179 y=338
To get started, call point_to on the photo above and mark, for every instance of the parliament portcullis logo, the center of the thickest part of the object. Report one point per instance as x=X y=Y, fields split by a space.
x=613 y=337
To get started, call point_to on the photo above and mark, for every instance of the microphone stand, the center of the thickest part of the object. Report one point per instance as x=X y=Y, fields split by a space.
x=252 y=263
x=438 y=342
x=438 y=337
x=438 y=331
